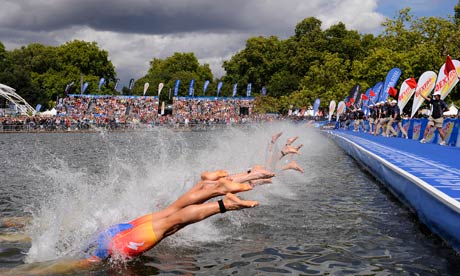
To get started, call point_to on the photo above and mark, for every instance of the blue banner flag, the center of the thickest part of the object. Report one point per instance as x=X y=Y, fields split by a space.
x=117 y=82
x=219 y=87
x=264 y=91
x=248 y=90
x=176 y=88
x=354 y=93
x=235 y=89
x=83 y=88
x=131 y=84
x=38 y=107
x=316 y=106
x=67 y=88
x=375 y=92
x=190 y=89
x=206 y=83
x=390 y=81
x=101 y=82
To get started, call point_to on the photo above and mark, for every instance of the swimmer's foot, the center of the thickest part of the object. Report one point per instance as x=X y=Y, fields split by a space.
x=225 y=186
x=212 y=176
x=276 y=136
x=258 y=182
x=293 y=166
x=232 y=202
x=291 y=140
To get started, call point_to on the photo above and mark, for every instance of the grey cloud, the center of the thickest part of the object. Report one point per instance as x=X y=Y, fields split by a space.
x=138 y=16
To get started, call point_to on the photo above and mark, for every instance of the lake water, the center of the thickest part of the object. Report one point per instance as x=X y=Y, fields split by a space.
x=334 y=219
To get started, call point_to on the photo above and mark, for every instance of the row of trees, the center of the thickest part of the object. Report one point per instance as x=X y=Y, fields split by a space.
x=40 y=73
x=327 y=64
x=313 y=63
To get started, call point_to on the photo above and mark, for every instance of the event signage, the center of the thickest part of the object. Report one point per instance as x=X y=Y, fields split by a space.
x=206 y=83
x=248 y=90
x=425 y=85
x=117 y=82
x=176 y=88
x=340 y=109
x=332 y=105
x=390 y=81
x=405 y=92
x=446 y=82
x=191 y=91
x=219 y=87
x=84 y=87
x=160 y=87
x=101 y=82
x=235 y=89
x=131 y=84
x=375 y=92
x=146 y=87
x=316 y=106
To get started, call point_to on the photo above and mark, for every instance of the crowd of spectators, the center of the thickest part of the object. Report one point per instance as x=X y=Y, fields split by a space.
x=117 y=112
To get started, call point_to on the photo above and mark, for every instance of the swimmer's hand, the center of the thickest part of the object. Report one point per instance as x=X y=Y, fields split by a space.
x=289 y=150
x=213 y=176
x=293 y=166
x=291 y=140
x=259 y=172
x=276 y=136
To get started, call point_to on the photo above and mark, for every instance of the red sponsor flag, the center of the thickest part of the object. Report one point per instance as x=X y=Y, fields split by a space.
x=449 y=65
x=372 y=93
x=348 y=104
x=412 y=83
x=364 y=97
x=352 y=100
x=392 y=92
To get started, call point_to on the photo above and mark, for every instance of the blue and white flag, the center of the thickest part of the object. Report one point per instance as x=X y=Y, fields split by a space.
x=219 y=87
x=264 y=91
x=191 y=91
x=235 y=89
x=38 y=107
x=248 y=90
x=375 y=92
x=206 y=83
x=101 y=82
x=390 y=81
x=117 y=82
x=83 y=88
x=176 y=88
x=67 y=88
x=131 y=84
x=316 y=106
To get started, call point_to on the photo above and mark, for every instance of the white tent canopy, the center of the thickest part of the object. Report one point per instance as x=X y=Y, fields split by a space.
x=453 y=111
x=51 y=112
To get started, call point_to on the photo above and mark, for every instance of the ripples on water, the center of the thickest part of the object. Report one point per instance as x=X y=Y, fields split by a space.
x=333 y=220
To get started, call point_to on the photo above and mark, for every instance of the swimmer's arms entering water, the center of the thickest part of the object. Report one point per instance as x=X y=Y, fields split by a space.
x=138 y=236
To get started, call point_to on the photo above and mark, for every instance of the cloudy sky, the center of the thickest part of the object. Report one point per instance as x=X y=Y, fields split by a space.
x=135 y=31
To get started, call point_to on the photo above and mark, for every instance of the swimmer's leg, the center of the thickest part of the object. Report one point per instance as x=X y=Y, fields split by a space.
x=14 y=222
x=197 y=212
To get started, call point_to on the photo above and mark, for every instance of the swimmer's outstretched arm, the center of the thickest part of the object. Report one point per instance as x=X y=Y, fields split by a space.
x=198 y=212
x=254 y=173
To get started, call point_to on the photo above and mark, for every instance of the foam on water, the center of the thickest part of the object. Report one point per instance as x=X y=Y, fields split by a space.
x=121 y=179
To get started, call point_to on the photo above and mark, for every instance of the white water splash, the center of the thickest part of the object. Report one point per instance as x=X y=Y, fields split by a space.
x=110 y=178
